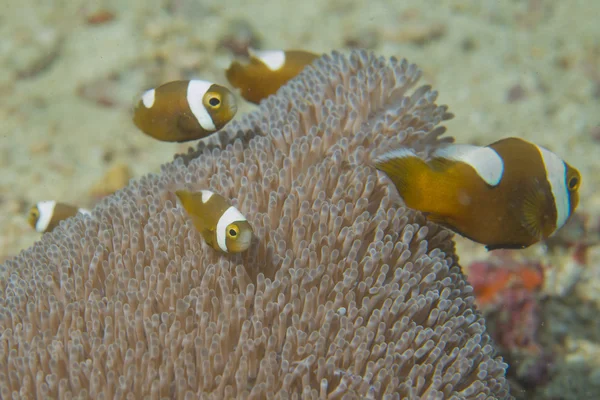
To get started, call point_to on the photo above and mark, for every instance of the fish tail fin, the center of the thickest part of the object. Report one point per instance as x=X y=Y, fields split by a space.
x=406 y=170
x=187 y=200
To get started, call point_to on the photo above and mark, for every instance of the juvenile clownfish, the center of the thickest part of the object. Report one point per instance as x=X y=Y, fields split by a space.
x=46 y=215
x=181 y=111
x=222 y=226
x=510 y=194
x=266 y=72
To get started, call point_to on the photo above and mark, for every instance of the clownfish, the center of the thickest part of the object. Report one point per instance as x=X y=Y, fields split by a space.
x=181 y=111
x=266 y=72
x=221 y=225
x=46 y=215
x=510 y=194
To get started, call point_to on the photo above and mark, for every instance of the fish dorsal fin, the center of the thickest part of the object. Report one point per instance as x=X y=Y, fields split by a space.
x=486 y=162
x=532 y=209
x=440 y=164
x=402 y=166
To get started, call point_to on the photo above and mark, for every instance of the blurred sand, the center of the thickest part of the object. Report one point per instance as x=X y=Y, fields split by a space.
x=69 y=78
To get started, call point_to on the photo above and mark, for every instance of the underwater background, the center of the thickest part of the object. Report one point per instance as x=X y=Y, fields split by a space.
x=71 y=71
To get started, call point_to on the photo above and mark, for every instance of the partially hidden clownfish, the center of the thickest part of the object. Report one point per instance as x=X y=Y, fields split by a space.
x=221 y=225
x=510 y=194
x=46 y=215
x=181 y=111
x=266 y=72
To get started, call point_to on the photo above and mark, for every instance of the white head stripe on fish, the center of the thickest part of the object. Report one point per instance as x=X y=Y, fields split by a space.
x=195 y=94
x=206 y=195
x=148 y=98
x=46 y=210
x=485 y=161
x=230 y=216
x=273 y=59
x=556 y=174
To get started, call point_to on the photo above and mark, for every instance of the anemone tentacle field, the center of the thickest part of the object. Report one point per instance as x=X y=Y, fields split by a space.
x=342 y=292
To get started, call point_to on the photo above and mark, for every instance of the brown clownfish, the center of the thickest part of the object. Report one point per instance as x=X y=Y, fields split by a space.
x=181 y=111
x=510 y=194
x=46 y=215
x=221 y=225
x=266 y=72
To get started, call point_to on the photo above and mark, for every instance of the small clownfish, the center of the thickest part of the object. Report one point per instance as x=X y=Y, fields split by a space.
x=266 y=72
x=222 y=225
x=46 y=215
x=510 y=194
x=181 y=111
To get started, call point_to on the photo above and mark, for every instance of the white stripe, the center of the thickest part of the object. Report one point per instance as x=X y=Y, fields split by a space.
x=148 y=98
x=206 y=195
x=485 y=161
x=195 y=94
x=230 y=216
x=273 y=59
x=556 y=174
x=46 y=209
x=83 y=211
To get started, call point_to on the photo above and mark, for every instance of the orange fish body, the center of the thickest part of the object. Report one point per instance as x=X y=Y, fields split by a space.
x=181 y=111
x=510 y=194
x=266 y=72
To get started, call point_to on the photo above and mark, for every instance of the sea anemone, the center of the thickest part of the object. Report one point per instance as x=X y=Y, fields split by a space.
x=343 y=292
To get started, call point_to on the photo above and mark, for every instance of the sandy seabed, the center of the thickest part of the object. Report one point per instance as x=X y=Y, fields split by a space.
x=72 y=69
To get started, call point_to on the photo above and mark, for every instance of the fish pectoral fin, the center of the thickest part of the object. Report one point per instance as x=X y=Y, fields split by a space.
x=445 y=221
x=208 y=236
x=437 y=219
x=532 y=211
x=187 y=124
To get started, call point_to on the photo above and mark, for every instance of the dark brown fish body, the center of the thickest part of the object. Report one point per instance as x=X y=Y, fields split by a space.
x=510 y=194
x=266 y=72
x=181 y=111
x=46 y=215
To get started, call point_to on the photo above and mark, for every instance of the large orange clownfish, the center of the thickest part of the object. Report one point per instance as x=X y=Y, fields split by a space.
x=510 y=194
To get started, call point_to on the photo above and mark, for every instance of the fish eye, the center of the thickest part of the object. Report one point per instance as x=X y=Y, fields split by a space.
x=214 y=101
x=573 y=183
x=233 y=231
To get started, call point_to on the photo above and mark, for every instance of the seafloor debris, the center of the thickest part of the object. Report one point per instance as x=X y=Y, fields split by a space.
x=100 y=17
x=418 y=33
x=102 y=92
x=114 y=179
x=500 y=273
x=37 y=49
x=516 y=93
x=595 y=133
x=363 y=39
x=508 y=291
x=239 y=37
